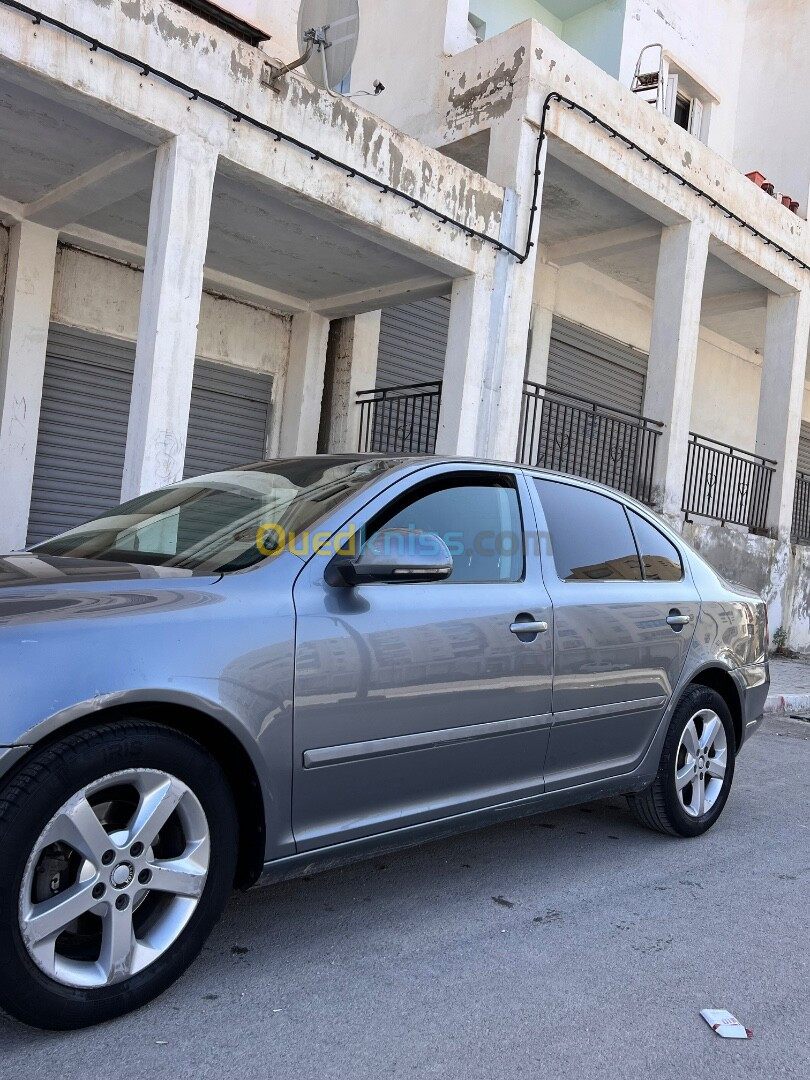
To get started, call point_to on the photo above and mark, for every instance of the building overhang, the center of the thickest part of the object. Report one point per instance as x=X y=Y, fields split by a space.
x=652 y=170
x=309 y=220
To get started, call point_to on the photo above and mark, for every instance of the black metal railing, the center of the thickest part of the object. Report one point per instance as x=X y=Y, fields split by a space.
x=570 y=434
x=400 y=419
x=800 y=531
x=726 y=483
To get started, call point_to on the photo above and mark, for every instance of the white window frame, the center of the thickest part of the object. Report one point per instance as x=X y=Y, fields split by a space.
x=678 y=82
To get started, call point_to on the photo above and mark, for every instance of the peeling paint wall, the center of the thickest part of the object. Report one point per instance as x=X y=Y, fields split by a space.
x=798 y=619
x=473 y=102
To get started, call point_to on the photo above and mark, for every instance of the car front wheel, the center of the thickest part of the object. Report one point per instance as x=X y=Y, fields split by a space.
x=119 y=847
x=696 y=768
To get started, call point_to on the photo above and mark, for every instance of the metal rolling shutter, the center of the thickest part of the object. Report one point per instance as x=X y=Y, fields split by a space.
x=595 y=367
x=82 y=430
x=803 y=464
x=84 y=417
x=229 y=419
x=413 y=341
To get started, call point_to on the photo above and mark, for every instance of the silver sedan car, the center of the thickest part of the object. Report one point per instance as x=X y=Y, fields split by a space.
x=258 y=673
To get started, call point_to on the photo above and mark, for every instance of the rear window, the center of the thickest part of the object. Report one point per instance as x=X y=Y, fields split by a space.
x=659 y=557
x=590 y=535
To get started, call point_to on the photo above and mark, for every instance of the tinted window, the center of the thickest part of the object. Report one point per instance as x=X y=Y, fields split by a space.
x=590 y=535
x=660 y=558
x=479 y=523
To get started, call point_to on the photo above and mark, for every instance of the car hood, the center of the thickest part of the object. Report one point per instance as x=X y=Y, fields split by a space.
x=29 y=571
x=37 y=587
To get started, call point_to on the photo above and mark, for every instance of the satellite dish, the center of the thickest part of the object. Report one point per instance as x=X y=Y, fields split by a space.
x=327 y=37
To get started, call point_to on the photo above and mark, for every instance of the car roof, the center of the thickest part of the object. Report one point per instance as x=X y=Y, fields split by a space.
x=406 y=462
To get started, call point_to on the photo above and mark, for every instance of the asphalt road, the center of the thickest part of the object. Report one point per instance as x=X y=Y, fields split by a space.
x=570 y=945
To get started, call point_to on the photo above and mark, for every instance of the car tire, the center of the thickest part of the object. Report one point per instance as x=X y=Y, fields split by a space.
x=130 y=827
x=700 y=744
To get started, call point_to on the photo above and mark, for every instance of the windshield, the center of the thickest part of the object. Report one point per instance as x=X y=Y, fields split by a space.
x=223 y=521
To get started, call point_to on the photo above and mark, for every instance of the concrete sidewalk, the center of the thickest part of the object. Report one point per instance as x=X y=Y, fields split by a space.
x=790 y=688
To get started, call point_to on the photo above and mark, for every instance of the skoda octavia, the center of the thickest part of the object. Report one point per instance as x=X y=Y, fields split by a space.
x=255 y=673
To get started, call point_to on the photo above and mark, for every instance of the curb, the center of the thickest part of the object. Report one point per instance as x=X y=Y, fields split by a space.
x=786 y=704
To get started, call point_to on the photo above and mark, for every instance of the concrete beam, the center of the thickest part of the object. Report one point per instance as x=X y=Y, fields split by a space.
x=626 y=174
x=115 y=179
x=252 y=292
x=745 y=260
x=104 y=244
x=787 y=331
x=215 y=281
x=673 y=354
x=23 y=344
x=401 y=292
x=602 y=244
x=169 y=313
x=728 y=303
x=303 y=389
x=358 y=208
x=11 y=212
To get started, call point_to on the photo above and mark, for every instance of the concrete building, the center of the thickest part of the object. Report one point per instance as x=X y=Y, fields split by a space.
x=509 y=252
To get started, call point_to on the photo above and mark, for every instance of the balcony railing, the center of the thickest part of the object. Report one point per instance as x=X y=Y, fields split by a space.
x=569 y=434
x=800 y=532
x=726 y=483
x=400 y=419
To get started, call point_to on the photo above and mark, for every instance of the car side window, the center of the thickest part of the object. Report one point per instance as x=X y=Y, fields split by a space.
x=590 y=535
x=659 y=557
x=479 y=521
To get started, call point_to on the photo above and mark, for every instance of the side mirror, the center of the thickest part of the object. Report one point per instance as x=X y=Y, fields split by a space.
x=393 y=555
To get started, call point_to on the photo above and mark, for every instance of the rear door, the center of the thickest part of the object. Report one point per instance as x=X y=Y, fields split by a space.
x=415 y=701
x=625 y=610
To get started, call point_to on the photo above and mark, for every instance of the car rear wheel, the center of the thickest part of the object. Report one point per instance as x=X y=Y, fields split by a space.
x=696 y=768
x=119 y=848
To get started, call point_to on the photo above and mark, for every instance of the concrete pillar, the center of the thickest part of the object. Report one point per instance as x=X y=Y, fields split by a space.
x=351 y=365
x=673 y=354
x=490 y=314
x=303 y=389
x=779 y=419
x=23 y=342
x=462 y=386
x=543 y=304
x=170 y=310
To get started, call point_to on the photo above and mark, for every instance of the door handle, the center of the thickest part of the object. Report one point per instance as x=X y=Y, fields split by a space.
x=529 y=627
x=676 y=619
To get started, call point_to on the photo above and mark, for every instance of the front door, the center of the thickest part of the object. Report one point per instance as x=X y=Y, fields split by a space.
x=625 y=610
x=418 y=701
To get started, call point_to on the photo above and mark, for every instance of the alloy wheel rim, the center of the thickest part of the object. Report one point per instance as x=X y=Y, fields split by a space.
x=701 y=763
x=114 y=878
